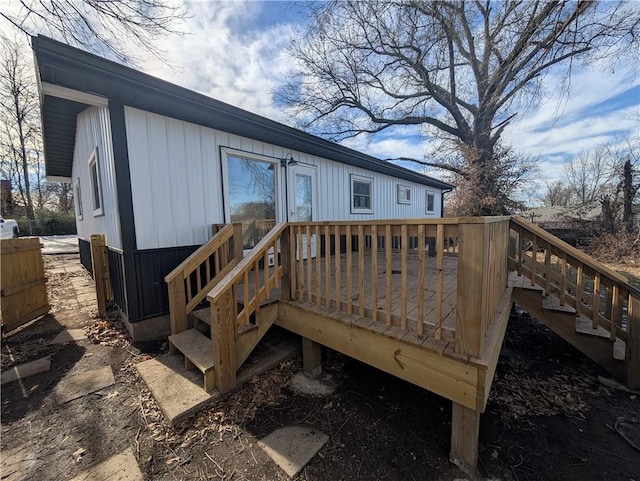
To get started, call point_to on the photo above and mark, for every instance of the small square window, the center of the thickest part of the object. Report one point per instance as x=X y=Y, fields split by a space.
x=361 y=195
x=431 y=202
x=404 y=194
x=79 y=199
x=96 y=188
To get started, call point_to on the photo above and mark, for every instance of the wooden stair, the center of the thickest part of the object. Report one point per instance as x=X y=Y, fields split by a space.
x=197 y=351
x=576 y=330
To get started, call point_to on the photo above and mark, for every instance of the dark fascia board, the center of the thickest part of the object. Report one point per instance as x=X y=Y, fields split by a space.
x=99 y=76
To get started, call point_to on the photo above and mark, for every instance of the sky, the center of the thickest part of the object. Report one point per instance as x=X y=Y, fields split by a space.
x=235 y=51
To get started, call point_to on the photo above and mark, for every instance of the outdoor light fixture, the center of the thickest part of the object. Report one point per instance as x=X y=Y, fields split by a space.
x=288 y=160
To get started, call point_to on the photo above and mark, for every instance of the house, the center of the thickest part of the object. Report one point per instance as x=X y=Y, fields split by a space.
x=155 y=165
x=327 y=243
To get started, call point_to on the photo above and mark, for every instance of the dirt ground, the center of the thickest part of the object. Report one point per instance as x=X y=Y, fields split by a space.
x=549 y=416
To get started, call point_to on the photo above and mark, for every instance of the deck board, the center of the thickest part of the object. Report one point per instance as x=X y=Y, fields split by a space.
x=316 y=272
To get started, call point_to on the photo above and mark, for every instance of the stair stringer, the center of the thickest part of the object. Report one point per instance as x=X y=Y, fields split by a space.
x=563 y=324
x=247 y=341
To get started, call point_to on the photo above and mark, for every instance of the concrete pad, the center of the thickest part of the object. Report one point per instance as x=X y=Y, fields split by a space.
x=121 y=467
x=178 y=392
x=69 y=335
x=25 y=370
x=292 y=447
x=76 y=386
x=318 y=387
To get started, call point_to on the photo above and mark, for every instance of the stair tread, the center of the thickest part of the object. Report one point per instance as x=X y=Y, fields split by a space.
x=584 y=326
x=553 y=303
x=195 y=346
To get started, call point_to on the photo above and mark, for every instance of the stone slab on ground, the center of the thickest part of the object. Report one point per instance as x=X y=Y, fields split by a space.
x=318 y=387
x=292 y=447
x=78 y=385
x=121 y=467
x=179 y=392
x=69 y=335
x=25 y=370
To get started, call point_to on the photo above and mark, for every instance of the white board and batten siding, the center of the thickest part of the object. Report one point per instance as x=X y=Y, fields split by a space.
x=177 y=181
x=93 y=134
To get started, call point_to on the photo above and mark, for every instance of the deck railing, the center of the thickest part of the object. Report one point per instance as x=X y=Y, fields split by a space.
x=189 y=283
x=581 y=282
x=254 y=280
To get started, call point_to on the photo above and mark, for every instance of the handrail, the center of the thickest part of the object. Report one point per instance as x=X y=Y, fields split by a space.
x=248 y=262
x=399 y=222
x=576 y=254
x=189 y=283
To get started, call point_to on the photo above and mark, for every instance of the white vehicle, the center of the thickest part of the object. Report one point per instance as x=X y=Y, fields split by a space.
x=8 y=228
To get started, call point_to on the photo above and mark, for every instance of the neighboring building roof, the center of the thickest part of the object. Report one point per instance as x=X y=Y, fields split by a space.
x=561 y=214
x=65 y=66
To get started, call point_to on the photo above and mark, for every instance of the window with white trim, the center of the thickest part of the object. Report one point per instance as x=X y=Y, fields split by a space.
x=79 y=199
x=361 y=194
x=431 y=202
x=404 y=194
x=96 y=188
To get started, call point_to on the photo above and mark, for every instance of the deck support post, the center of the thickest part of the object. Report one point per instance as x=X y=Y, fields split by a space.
x=632 y=354
x=100 y=271
x=223 y=338
x=465 y=430
x=311 y=358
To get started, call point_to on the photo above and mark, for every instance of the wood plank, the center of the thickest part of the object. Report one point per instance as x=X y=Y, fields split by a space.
x=98 y=245
x=195 y=346
x=223 y=338
x=465 y=431
x=338 y=261
x=403 y=277
x=439 y=280
x=616 y=318
x=287 y=252
x=311 y=358
x=421 y=275
x=349 y=269
x=309 y=261
x=327 y=264
x=361 y=271
x=632 y=347
x=595 y=302
x=374 y=272
x=445 y=376
x=301 y=282
x=388 y=272
x=318 y=269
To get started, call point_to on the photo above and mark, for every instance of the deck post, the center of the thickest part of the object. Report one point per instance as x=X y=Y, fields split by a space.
x=472 y=288
x=287 y=264
x=223 y=338
x=465 y=430
x=311 y=357
x=238 y=246
x=177 y=305
x=100 y=271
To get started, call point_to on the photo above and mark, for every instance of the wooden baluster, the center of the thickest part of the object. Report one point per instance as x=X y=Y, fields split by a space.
x=615 y=311
x=361 y=270
x=318 y=268
x=563 y=278
x=290 y=237
x=188 y=281
x=595 y=303
x=216 y=261
x=327 y=264
x=207 y=269
x=276 y=265
x=256 y=286
x=245 y=303
x=421 y=268
x=267 y=280
x=439 y=280
x=309 y=265
x=534 y=260
x=198 y=279
x=374 y=272
x=338 y=273
x=579 y=289
x=547 y=270
x=403 y=277
x=389 y=267
x=301 y=288
x=349 y=268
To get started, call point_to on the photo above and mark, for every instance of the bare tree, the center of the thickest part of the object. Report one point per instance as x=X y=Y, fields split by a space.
x=590 y=175
x=19 y=116
x=556 y=193
x=105 y=27
x=457 y=70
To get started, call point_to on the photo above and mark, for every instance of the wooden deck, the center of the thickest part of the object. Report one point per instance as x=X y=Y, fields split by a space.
x=388 y=297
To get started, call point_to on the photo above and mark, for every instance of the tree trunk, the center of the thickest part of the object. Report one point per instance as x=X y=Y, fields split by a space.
x=627 y=196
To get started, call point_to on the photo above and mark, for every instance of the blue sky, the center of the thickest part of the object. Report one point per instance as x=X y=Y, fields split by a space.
x=236 y=52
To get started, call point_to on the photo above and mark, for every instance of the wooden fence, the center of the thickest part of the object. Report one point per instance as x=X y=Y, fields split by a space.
x=23 y=288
